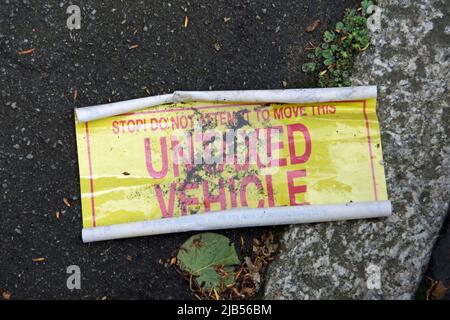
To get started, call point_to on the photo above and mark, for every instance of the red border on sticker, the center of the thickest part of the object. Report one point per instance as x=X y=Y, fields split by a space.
x=369 y=141
x=91 y=179
x=366 y=120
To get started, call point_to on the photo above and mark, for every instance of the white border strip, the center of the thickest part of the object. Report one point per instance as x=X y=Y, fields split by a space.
x=87 y=114
x=280 y=96
x=239 y=218
x=101 y=111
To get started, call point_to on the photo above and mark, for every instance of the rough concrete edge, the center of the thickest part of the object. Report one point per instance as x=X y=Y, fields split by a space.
x=370 y=69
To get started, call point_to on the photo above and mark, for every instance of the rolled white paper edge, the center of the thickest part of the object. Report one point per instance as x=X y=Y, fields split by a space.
x=101 y=111
x=280 y=96
x=239 y=218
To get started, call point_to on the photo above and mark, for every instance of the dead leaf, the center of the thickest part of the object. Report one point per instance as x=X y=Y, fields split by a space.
x=248 y=291
x=126 y=173
x=313 y=26
x=129 y=258
x=133 y=46
x=23 y=52
x=436 y=291
x=173 y=261
x=66 y=202
x=254 y=271
x=40 y=259
x=217 y=46
x=226 y=19
x=186 y=21
x=6 y=295
x=284 y=83
x=74 y=95
x=57 y=215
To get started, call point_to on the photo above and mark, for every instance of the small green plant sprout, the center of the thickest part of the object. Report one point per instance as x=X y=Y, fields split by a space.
x=333 y=58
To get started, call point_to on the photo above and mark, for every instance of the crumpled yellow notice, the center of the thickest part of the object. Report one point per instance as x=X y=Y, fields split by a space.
x=189 y=158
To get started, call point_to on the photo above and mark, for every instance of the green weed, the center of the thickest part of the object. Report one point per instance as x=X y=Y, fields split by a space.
x=333 y=59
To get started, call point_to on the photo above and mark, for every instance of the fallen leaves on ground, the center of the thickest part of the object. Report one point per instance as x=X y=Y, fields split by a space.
x=207 y=261
x=436 y=290
x=40 y=259
x=74 y=95
x=209 y=276
x=28 y=51
x=249 y=275
x=6 y=295
x=66 y=202
x=313 y=26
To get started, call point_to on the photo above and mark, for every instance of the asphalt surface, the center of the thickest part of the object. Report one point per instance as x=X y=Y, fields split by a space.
x=261 y=46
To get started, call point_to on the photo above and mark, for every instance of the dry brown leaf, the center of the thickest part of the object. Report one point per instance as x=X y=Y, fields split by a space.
x=248 y=291
x=27 y=51
x=57 y=215
x=74 y=95
x=129 y=258
x=437 y=290
x=186 y=21
x=226 y=19
x=254 y=271
x=217 y=46
x=133 y=46
x=173 y=261
x=6 y=295
x=66 y=202
x=313 y=26
x=40 y=259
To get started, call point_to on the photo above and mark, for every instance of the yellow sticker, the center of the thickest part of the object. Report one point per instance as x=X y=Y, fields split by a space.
x=190 y=158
